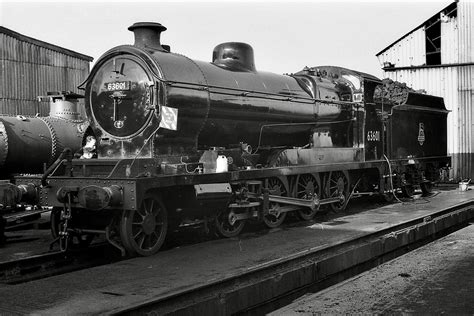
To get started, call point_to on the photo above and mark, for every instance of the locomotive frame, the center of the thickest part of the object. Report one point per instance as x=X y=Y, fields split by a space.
x=145 y=183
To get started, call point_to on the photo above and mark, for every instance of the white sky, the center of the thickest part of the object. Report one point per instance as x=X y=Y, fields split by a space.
x=285 y=35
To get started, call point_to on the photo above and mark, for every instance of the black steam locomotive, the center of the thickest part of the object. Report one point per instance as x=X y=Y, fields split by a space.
x=179 y=140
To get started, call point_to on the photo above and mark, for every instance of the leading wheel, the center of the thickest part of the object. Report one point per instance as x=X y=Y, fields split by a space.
x=75 y=240
x=275 y=218
x=308 y=186
x=388 y=197
x=337 y=185
x=227 y=225
x=143 y=231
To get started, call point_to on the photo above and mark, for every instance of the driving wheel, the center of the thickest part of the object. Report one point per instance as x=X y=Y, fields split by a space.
x=308 y=186
x=338 y=185
x=275 y=218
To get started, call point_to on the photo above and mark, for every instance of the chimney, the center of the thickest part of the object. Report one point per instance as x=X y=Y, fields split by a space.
x=147 y=34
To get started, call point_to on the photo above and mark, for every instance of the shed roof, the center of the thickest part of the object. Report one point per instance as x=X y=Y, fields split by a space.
x=34 y=41
x=434 y=19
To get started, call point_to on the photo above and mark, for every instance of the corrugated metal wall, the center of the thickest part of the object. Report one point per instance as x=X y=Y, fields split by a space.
x=29 y=70
x=466 y=131
x=449 y=40
x=453 y=80
x=466 y=86
x=409 y=51
x=466 y=31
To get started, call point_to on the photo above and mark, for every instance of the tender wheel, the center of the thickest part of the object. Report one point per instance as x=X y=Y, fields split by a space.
x=389 y=197
x=226 y=224
x=275 y=218
x=337 y=184
x=307 y=186
x=408 y=190
x=426 y=187
x=143 y=231
x=76 y=240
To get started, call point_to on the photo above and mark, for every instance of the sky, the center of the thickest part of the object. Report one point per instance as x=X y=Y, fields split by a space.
x=286 y=35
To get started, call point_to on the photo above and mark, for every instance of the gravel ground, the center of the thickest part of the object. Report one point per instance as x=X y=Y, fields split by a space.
x=436 y=279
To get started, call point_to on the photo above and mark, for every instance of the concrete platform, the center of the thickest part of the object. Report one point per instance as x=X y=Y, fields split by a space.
x=138 y=281
x=437 y=279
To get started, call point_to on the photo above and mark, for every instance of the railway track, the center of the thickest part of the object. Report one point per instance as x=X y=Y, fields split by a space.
x=255 y=280
x=39 y=266
x=54 y=263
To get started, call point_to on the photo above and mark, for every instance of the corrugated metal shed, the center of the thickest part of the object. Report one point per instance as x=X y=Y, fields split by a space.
x=30 y=67
x=406 y=52
x=438 y=56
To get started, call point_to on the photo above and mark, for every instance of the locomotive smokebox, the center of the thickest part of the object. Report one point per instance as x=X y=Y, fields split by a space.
x=234 y=56
x=147 y=34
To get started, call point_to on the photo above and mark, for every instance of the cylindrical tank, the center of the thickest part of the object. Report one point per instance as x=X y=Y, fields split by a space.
x=28 y=144
x=222 y=103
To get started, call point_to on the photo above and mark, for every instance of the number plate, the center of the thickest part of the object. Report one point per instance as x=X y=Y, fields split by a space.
x=117 y=86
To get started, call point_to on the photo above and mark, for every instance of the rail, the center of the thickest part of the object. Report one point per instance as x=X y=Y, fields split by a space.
x=54 y=263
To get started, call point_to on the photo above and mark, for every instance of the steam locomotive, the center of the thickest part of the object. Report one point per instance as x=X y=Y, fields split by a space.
x=44 y=138
x=28 y=144
x=178 y=140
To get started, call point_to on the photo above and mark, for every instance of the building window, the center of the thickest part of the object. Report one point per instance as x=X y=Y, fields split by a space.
x=433 y=42
x=433 y=34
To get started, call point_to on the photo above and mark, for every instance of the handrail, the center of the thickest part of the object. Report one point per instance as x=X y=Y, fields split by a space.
x=66 y=155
